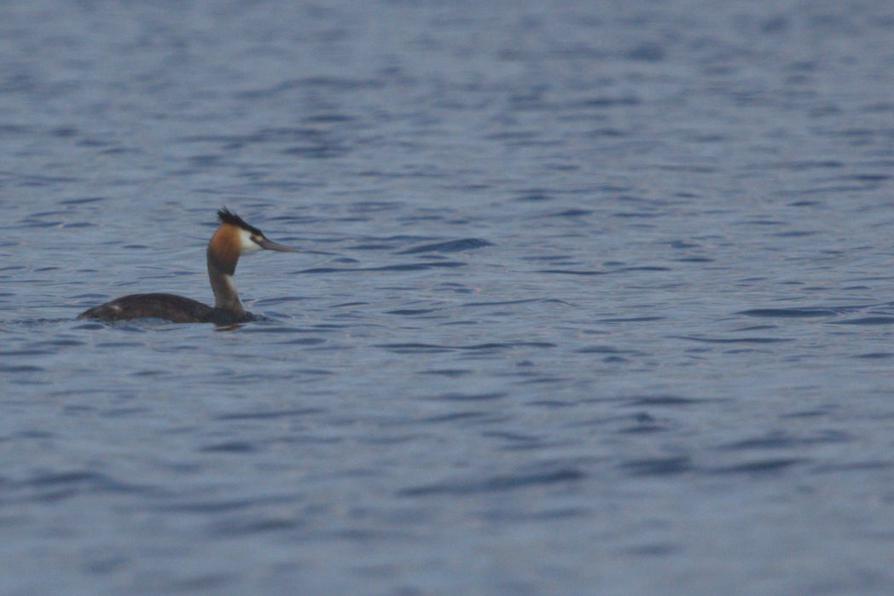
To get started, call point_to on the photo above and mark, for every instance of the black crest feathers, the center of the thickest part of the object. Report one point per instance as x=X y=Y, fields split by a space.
x=228 y=217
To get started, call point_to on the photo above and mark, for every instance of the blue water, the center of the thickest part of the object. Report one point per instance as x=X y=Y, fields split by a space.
x=594 y=298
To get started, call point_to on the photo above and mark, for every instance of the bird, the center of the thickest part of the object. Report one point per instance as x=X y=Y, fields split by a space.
x=233 y=238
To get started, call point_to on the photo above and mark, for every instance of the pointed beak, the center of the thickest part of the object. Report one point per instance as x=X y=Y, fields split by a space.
x=271 y=245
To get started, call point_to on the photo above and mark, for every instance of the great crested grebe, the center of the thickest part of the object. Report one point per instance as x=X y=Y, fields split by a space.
x=233 y=238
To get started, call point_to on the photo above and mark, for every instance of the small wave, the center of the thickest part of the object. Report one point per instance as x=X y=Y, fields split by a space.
x=866 y=321
x=422 y=347
x=658 y=466
x=496 y=483
x=794 y=312
x=449 y=246
x=269 y=415
x=733 y=340
x=510 y=302
x=471 y=396
x=585 y=272
x=664 y=400
x=402 y=267
x=229 y=447
x=781 y=441
x=760 y=466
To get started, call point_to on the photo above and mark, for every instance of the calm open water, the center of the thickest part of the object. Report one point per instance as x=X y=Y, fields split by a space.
x=595 y=298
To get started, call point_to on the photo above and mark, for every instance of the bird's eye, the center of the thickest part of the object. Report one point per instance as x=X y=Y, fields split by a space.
x=256 y=239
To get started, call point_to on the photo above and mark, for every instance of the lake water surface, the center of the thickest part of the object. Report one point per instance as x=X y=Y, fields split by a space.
x=593 y=298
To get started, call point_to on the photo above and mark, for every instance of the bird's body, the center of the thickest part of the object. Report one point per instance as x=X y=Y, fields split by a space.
x=177 y=309
x=233 y=238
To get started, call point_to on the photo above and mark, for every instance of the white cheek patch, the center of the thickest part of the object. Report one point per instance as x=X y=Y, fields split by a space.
x=246 y=245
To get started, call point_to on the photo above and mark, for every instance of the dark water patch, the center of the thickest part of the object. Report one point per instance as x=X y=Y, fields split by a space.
x=303 y=85
x=631 y=320
x=280 y=300
x=264 y=135
x=124 y=412
x=54 y=485
x=27 y=352
x=645 y=427
x=82 y=200
x=269 y=415
x=663 y=400
x=372 y=246
x=511 y=302
x=636 y=214
x=470 y=396
x=801 y=312
x=603 y=132
x=449 y=246
x=413 y=347
x=14 y=129
x=832 y=190
x=806 y=414
x=761 y=466
x=320 y=151
x=195 y=583
x=540 y=379
x=571 y=213
x=496 y=484
x=331 y=118
x=874 y=356
x=452 y=373
x=511 y=437
x=683 y=168
x=37 y=181
x=869 y=178
x=22 y=368
x=238 y=527
x=304 y=341
x=750 y=328
x=581 y=272
x=469 y=417
x=795 y=234
x=412 y=311
x=732 y=340
x=646 y=52
x=857 y=466
x=267 y=329
x=214 y=506
x=31 y=434
x=783 y=441
x=645 y=268
x=534 y=196
x=106 y=564
x=694 y=260
x=551 y=514
x=605 y=102
x=658 y=466
x=865 y=321
x=404 y=267
x=762 y=222
x=229 y=447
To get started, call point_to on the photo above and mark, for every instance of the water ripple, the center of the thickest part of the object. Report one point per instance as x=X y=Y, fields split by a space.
x=496 y=483
x=448 y=246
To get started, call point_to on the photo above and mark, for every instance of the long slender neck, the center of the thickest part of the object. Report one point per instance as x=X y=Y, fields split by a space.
x=220 y=273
